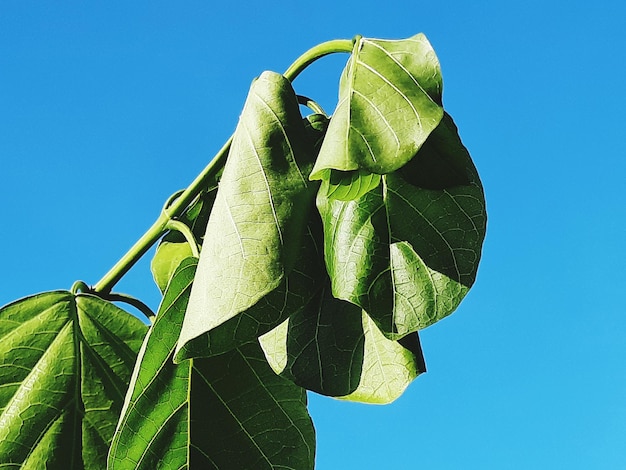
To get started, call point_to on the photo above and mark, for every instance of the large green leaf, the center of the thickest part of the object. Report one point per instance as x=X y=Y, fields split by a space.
x=174 y=248
x=65 y=365
x=407 y=252
x=258 y=262
x=334 y=348
x=389 y=102
x=228 y=411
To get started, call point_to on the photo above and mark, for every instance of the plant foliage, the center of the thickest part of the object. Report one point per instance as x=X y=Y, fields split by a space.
x=66 y=363
x=194 y=417
x=307 y=256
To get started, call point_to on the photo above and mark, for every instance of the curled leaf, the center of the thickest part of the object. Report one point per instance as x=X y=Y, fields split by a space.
x=388 y=366
x=389 y=103
x=407 y=252
x=332 y=347
x=258 y=262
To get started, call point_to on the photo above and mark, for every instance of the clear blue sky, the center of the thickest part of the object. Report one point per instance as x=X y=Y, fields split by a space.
x=107 y=108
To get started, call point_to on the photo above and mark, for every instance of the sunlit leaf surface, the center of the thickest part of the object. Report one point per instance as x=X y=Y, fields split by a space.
x=333 y=348
x=388 y=366
x=65 y=364
x=258 y=262
x=228 y=411
x=389 y=102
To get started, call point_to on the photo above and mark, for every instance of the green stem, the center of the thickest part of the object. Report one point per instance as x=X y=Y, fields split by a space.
x=317 y=52
x=138 y=304
x=159 y=227
x=79 y=286
x=181 y=203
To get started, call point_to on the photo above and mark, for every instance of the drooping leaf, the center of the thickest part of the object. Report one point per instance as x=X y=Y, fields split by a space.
x=388 y=366
x=173 y=247
x=333 y=348
x=258 y=262
x=319 y=348
x=229 y=411
x=65 y=364
x=389 y=102
x=407 y=252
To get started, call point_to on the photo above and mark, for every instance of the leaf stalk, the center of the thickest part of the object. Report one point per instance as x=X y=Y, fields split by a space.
x=317 y=52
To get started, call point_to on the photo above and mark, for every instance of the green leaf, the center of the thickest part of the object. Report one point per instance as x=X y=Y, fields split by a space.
x=153 y=428
x=173 y=247
x=408 y=251
x=66 y=362
x=388 y=366
x=258 y=262
x=389 y=102
x=229 y=411
x=349 y=185
x=167 y=257
x=319 y=348
x=333 y=348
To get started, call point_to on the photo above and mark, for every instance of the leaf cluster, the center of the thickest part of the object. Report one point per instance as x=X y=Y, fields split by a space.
x=326 y=243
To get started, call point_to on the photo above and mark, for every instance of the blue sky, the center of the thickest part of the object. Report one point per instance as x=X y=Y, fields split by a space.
x=107 y=108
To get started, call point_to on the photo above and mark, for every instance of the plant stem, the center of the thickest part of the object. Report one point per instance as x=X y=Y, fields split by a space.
x=317 y=52
x=312 y=105
x=79 y=286
x=180 y=204
x=138 y=304
x=159 y=227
